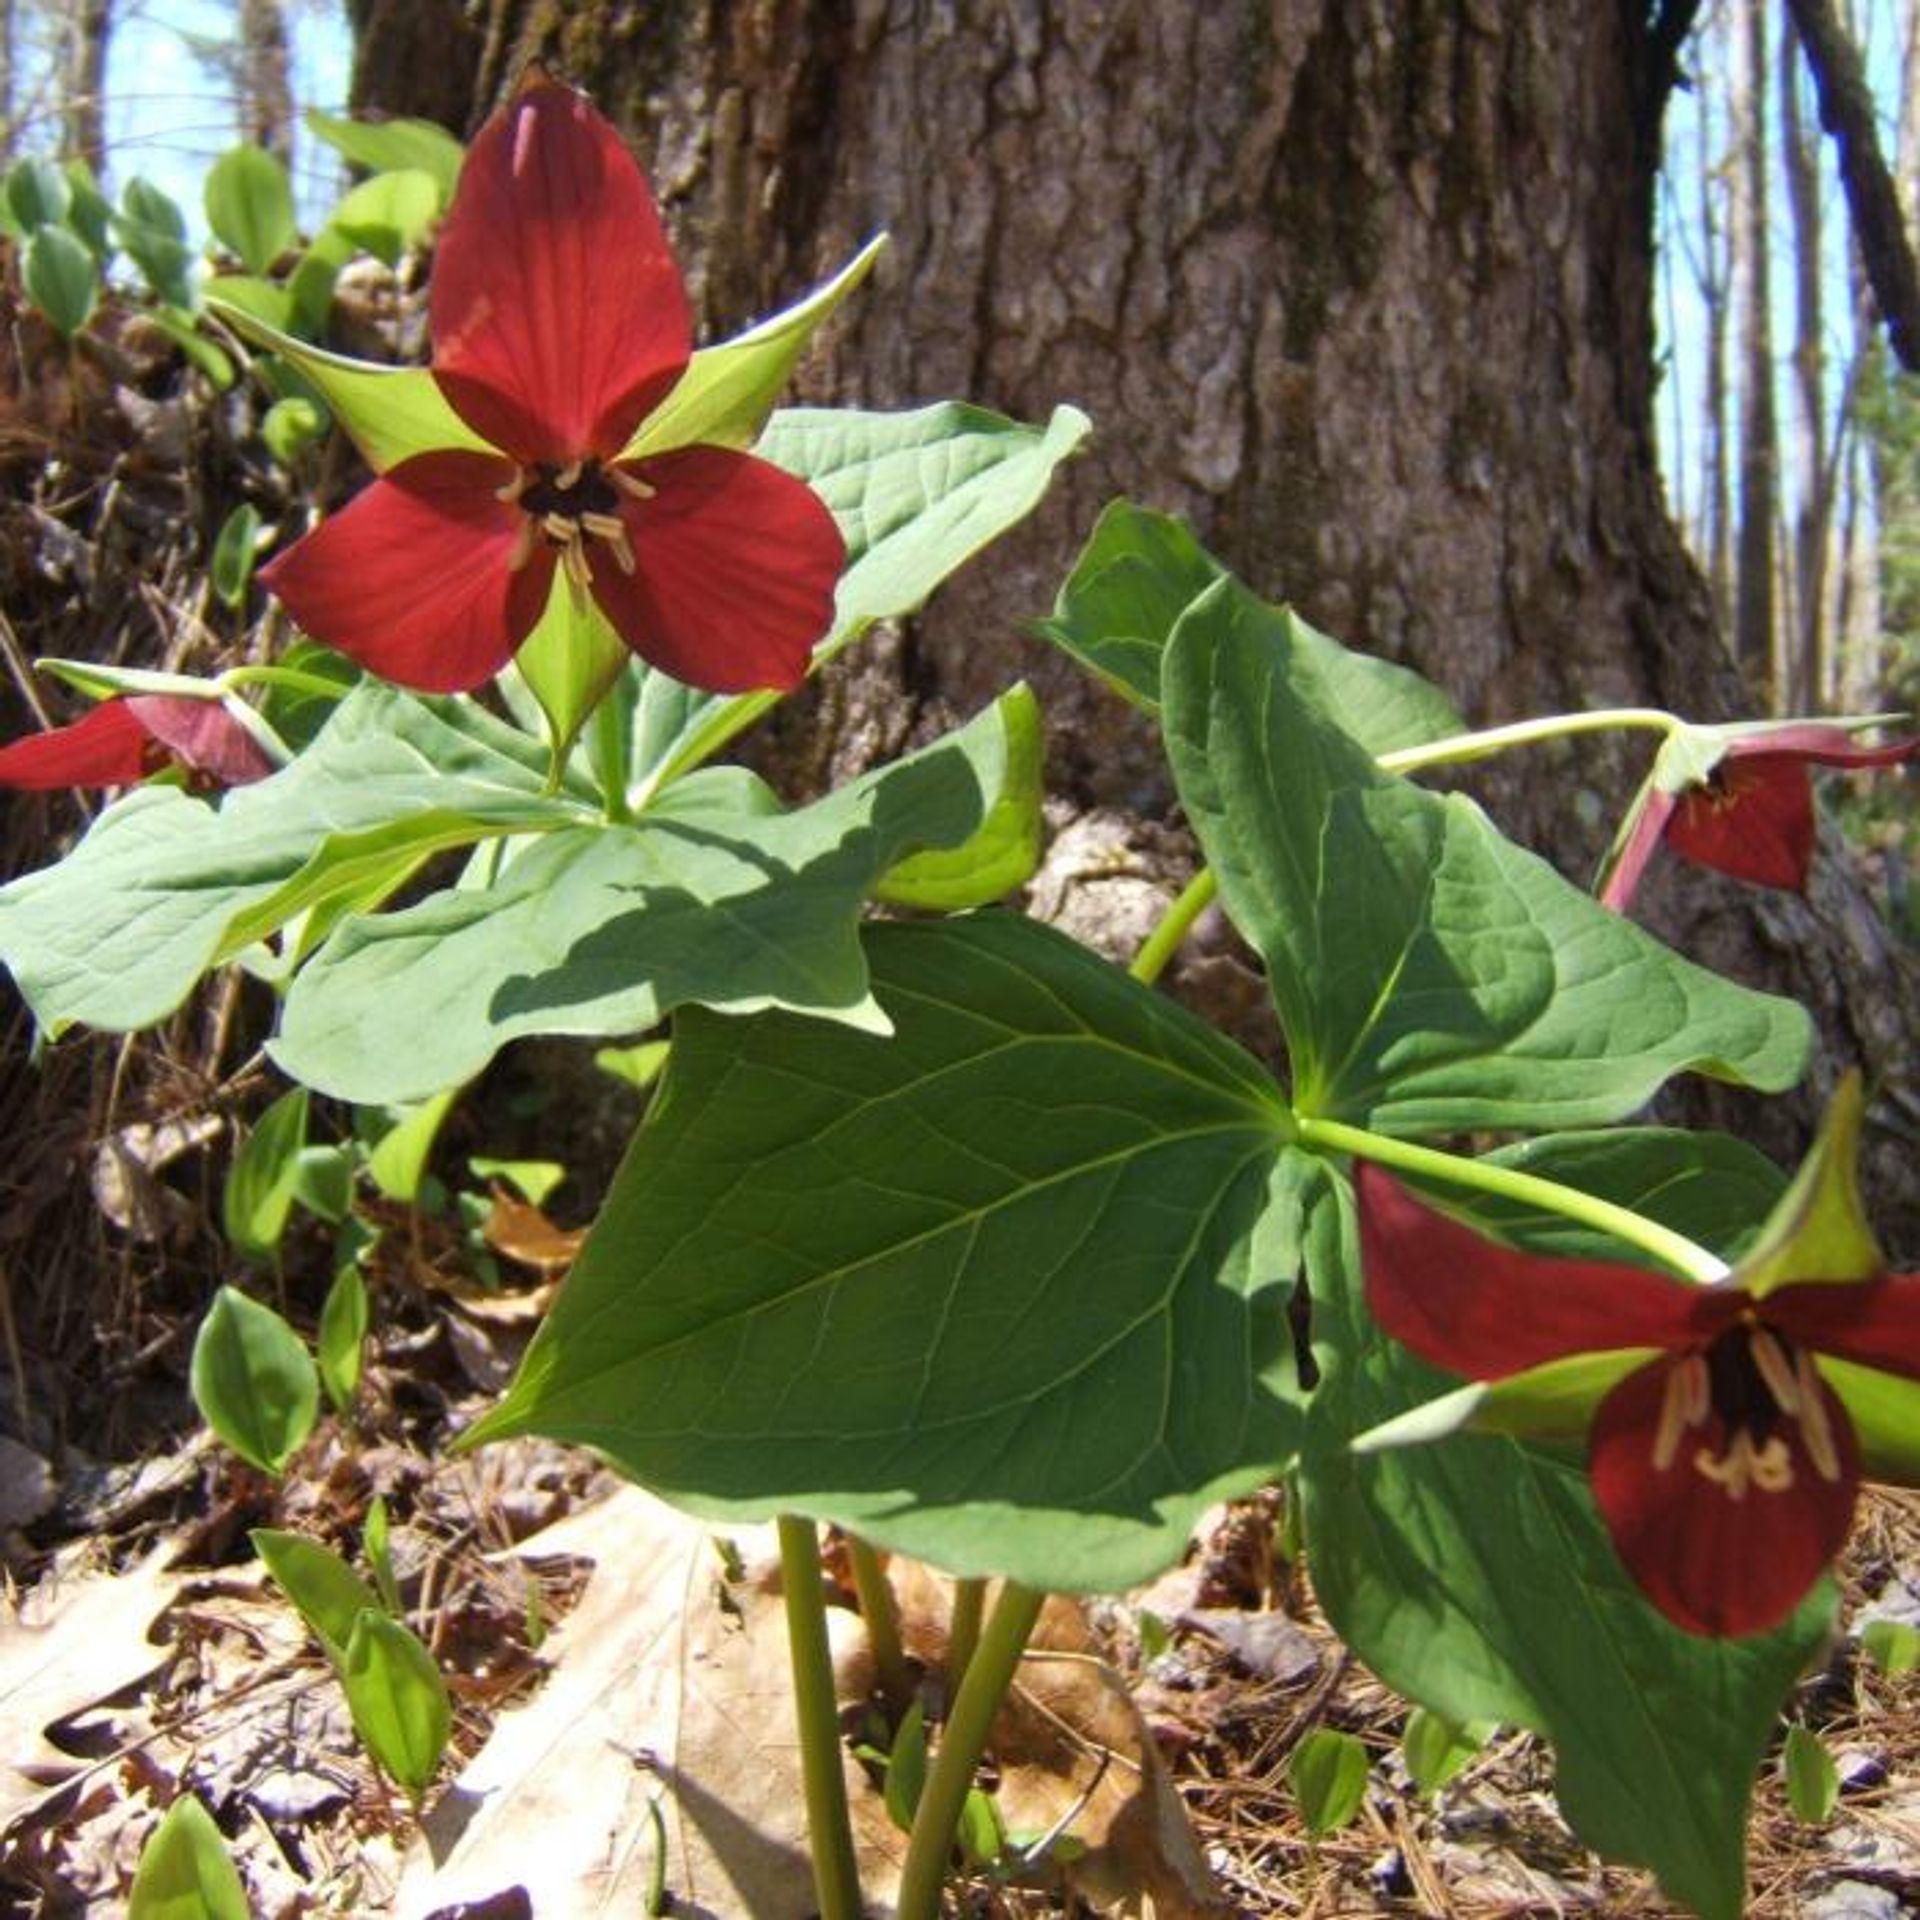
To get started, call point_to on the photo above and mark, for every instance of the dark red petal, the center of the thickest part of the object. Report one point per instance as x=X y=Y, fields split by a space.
x=1825 y=745
x=1709 y=1562
x=1480 y=1309
x=558 y=317
x=1649 y=823
x=1754 y=822
x=1875 y=1322
x=411 y=576
x=105 y=748
x=736 y=563
x=203 y=735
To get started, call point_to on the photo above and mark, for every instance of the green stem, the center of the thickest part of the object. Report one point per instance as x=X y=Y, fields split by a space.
x=609 y=725
x=291 y=678
x=883 y=1622
x=1163 y=942
x=836 y=1879
x=1524 y=733
x=963 y=1630
x=1675 y=1249
x=935 y=1820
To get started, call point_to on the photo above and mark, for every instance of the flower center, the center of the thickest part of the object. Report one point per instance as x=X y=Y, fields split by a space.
x=568 y=506
x=1747 y=1386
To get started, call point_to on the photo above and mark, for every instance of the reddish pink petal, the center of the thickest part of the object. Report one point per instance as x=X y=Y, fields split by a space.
x=558 y=317
x=1477 y=1308
x=412 y=579
x=1649 y=823
x=1827 y=746
x=1712 y=1563
x=736 y=564
x=202 y=735
x=105 y=748
x=1875 y=1323
x=1754 y=822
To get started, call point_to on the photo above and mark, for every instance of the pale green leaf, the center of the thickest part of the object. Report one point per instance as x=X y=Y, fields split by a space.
x=398 y=1700
x=1328 y=1774
x=329 y=1596
x=386 y=145
x=249 y=202
x=343 y=1333
x=389 y=213
x=185 y=1872
x=1812 y=1779
x=264 y=1176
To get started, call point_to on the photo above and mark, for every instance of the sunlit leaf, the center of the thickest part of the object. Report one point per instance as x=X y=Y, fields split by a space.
x=253 y=1381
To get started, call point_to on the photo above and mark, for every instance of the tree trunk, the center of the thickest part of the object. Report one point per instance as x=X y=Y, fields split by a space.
x=1361 y=287
x=1754 y=616
x=266 y=87
x=83 y=85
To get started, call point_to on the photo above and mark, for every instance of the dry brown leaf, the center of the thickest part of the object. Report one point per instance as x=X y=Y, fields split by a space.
x=524 y=1233
x=665 y=1684
x=74 y=1643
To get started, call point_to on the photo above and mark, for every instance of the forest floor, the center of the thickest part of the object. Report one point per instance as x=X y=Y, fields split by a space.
x=619 y=1684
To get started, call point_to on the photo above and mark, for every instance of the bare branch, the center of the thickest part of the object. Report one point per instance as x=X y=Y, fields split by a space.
x=1846 y=111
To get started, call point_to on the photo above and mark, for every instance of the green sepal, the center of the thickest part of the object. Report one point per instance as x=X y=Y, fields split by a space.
x=1885 y=1411
x=1553 y=1401
x=390 y=413
x=724 y=397
x=569 y=661
x=1819 y=1229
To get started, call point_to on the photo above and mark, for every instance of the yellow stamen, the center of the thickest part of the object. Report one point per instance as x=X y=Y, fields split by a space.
x=1815 y=1428
x=1770 y=1356
x=631 y=484
x=1770 y=1468
x=514 y=488
x=1683 y=1405
x=569 y=476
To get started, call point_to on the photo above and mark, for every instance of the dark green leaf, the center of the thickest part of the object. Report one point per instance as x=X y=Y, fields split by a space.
x=398 y=1700
x=185 y=1872
x=250 y=206
x=1474 y=1576
x=323 y=1182
x=328 y=1594
x=252 y=1381
x=91 y=214
x=1328 y=1774
x=62 y=279
x=1430 y=975
x=153 y=230
x=263 y=1178
x=981 y=1835
x=1006 y=1291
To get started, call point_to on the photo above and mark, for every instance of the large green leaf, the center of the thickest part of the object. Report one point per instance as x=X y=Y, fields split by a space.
x=916 y=495
x=249 y=202
x=712 y=895
x=164 y=884
x=383 y=145
x=1430 y=975
x=1004 y=1291
x=1474 y=1576
x=1140 y=571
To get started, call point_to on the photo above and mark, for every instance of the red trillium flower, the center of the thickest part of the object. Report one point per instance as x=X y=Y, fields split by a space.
x=124 y=740
x=1728 y=1425
x=1740 y=801
x=559 y=324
